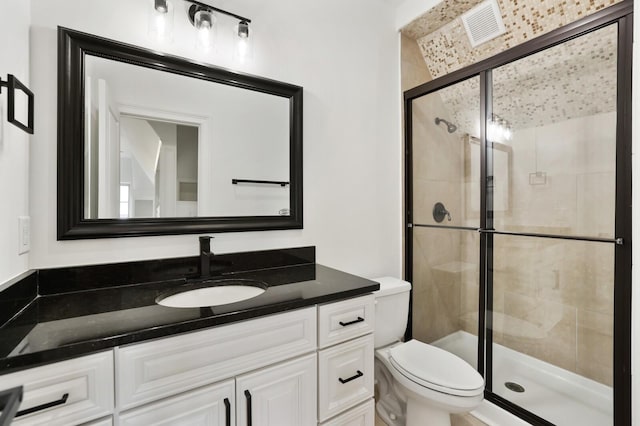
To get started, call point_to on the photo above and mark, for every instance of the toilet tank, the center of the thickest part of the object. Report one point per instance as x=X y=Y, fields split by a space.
x=392 y=310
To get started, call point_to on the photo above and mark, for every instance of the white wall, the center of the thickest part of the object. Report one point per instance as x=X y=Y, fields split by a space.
x=408 y=10
x=345 y=55
x=14 y=143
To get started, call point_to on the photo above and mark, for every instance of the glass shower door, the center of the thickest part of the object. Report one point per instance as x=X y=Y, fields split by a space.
x=551 y=133
x=445 y=165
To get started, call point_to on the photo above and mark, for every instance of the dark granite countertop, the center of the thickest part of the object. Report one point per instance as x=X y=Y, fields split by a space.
x=60 y=326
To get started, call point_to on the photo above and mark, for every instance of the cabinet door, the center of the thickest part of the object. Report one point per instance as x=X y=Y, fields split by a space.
x=283 y=395
x=209 y=406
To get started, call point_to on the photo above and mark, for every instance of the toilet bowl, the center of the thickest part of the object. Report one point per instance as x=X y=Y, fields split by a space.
x=417 y=384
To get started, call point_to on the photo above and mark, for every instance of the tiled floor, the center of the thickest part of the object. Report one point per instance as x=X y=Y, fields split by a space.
x=456 y=420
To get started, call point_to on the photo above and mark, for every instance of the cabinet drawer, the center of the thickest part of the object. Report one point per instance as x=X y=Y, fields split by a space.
x=165 y=367
x=362 y=415
x=345 y=376
x=211 y=405
x=87 y=383
x=108 y=421
x=344 y=320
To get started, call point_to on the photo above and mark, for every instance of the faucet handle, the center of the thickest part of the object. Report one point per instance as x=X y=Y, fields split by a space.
x=205 y=243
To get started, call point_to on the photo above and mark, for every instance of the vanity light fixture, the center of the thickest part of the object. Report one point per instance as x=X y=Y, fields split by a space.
x=161 y=20
x=204 y=22
x=161 y=6
x=243 y=43
x=499 y=129
x=202 y=17
x=243 y=29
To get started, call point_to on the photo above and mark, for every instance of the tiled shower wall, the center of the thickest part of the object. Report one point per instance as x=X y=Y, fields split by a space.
x=438 y=166
x=553 y=299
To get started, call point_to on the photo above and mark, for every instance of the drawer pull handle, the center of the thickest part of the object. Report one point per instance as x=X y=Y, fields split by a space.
x=43 y=406
x=227 y=410
x=247 y=395
x=358 y=374
x=344 y=324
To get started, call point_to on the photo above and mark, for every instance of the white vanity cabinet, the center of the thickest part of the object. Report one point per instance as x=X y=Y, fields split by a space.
x=299 y=368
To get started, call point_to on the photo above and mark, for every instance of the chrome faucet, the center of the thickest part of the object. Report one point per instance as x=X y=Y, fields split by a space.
x=205 y=256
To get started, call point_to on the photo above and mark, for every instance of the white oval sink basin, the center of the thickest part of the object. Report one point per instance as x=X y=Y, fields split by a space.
x=211 y=296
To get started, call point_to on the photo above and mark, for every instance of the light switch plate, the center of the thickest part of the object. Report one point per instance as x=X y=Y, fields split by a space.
x=24 y=234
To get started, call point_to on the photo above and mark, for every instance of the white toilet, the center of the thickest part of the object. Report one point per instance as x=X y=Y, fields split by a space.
x=417 y=384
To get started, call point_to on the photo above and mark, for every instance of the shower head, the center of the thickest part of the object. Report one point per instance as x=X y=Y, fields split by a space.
x=450 y=126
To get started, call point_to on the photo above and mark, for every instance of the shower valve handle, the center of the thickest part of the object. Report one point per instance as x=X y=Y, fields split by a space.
x=440 y=212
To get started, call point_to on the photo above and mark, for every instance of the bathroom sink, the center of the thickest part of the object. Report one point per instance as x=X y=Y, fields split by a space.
x=212 y=293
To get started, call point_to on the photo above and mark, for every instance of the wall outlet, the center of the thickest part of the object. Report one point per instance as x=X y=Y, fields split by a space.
x=24 y=234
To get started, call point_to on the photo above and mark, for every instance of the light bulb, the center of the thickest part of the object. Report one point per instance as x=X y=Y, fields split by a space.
x=161 y=20
x=243 y=50
x=161 y=6
x=243 y=29
x=508 y=134
x=491 y=130
x=502 y=132
x=204 y=22
x=204 y=38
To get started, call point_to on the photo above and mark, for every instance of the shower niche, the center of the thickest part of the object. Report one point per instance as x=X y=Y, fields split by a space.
x=526 y=273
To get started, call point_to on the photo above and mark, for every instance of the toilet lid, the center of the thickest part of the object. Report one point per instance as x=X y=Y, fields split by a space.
x=435 y=368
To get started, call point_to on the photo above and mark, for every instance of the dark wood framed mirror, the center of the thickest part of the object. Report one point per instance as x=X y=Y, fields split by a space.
x=154 y=144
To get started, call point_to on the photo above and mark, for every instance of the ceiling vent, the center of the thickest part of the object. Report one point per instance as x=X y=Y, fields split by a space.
x=483 y=22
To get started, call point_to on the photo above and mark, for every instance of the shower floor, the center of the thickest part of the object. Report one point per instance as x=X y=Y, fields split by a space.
x=555 y=394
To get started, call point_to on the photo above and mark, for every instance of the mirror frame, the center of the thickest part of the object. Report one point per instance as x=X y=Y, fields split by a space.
x=72 y=48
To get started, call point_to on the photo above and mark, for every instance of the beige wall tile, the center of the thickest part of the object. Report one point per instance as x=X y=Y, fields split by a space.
x=595 y=346
x=414 y=72
x=542 y=329
x=439 y=267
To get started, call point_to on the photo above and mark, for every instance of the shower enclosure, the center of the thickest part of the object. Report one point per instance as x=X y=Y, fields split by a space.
x=518 y=213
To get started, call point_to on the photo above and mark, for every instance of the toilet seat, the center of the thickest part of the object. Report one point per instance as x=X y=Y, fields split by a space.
x=436 y=369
